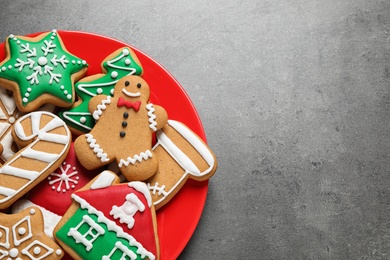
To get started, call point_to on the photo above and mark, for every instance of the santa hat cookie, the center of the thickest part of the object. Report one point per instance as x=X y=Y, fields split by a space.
x=108 y=220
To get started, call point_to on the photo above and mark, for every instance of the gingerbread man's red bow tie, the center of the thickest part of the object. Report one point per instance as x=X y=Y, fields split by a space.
x=134 y=105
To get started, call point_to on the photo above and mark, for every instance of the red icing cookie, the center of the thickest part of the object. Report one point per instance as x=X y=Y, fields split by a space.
x=108 y=220
x=54 y=192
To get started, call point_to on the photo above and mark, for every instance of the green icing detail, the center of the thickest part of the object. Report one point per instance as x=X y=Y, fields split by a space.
x=122 y=65
x=102 y=245
x=41 y=67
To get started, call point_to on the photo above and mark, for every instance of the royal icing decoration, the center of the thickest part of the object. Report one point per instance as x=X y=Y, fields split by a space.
x=21 y=237
x=195 y=161
x=112 y=222
x=19 y=165
x=40 y=67
x=121 y=65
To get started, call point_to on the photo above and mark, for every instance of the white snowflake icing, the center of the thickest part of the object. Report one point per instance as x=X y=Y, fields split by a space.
x=67 y=178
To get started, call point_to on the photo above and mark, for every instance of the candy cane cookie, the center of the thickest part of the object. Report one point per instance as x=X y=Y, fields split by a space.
x=45 y=139
x=182 y=154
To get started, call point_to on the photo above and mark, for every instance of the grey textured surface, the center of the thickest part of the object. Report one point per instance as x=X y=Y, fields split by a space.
x=295 y=101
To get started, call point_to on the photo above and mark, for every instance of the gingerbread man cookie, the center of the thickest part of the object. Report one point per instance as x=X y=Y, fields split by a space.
x=123 y=132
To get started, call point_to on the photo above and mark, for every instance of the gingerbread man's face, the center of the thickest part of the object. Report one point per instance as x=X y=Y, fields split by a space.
x=132 y=88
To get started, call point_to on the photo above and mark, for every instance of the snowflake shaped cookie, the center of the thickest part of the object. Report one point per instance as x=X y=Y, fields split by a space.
x=40 y=70
x=22 y=237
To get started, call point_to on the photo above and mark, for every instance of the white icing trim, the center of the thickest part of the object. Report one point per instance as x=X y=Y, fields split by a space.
x=113 y=227
x=142 y=188
x=151 y=116
x=104 y=180
x=96 y=148
x=136 y=158
x=101 y=107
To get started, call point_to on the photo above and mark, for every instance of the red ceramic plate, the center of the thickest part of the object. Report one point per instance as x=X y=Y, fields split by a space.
x=178 y=219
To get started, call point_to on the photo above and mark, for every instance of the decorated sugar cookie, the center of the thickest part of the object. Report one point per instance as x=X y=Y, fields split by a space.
x=182 y=155
x=40 y=70
x=45 y=139
x=108 y=220
x=22 y=237
x=123 y=131
x=53 y=193
x=122 y=62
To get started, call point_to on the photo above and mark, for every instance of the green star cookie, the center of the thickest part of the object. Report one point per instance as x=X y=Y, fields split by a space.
x=40 y=70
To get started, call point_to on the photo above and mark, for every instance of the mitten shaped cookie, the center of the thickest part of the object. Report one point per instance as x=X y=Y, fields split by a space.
x=123 y=131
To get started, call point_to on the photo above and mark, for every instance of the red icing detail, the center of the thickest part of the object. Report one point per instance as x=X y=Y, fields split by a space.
x=59 y=201
x=104 y=199
x=135 y=105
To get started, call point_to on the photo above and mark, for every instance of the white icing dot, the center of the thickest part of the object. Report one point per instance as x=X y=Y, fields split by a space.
x=73 y=62
x=73 y=186
x=17 y=42
x=9 y=67
x=125 y=52
x=11 y=36
x=3 y=68
x=84 y=62
x=99 y=91
x=69 y=96
x=78 y=62
x=22 y=231
x=42 y=61
x=25 y=99
x=15 y=39
x=53 y=187
x=32 y=211
x=58 y=251
x=112 y=91
x=52 y=37
x=74 y=168
x=77 y=177
x=62 y=87
x=83 y=120
x=66 y=92
x=37 y=250
x=13 y=252
x=127 y=62
x=29 y=89
x=27 y=94
x=114 y=74
x=11 y=120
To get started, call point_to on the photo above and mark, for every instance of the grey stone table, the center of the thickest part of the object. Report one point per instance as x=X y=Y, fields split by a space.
x=294 y=97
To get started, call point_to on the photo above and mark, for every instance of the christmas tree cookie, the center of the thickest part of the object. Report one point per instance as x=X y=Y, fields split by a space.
x=122 y=62
x=40 y=70
x=109 y=220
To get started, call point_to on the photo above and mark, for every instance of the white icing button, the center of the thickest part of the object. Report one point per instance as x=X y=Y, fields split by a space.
x=78 y=62
x=17 y=42
x=114 y=74
x=58 y=251
x=9 y=67
x=22 y=231
x=11 y=120
x=25 y=99
x=84 y=62
x=11 y=36
x=53 y=187
x=65 y=92
x=99 y=91
x=112 y=91
x=42 y=61
x=83 y=120
x=69 y=96
x=127 y=62
x=73 y=62
x=37 y=250
x=62 y=87
x=125 y=52
x=27 y=94
x=13 y=252
x=3 y=68
x=32 y=211
x=29 y=89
